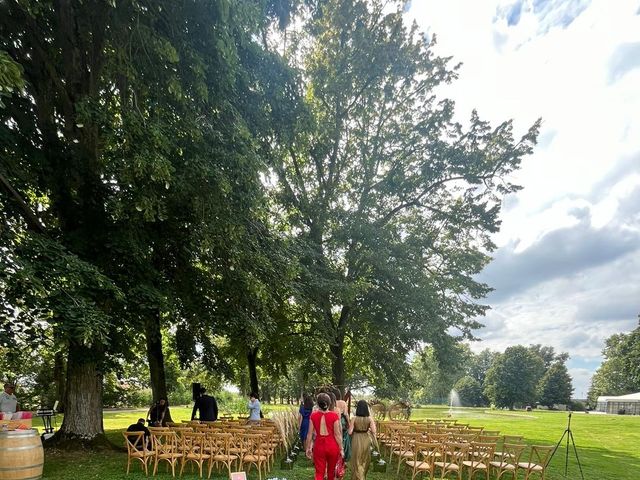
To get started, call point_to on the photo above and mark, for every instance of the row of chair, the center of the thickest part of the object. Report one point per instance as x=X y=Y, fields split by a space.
x=200 y=444
x=482 y=450
x=452 y=459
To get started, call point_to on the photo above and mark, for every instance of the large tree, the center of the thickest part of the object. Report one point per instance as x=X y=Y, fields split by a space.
x=618 y=374
x=128 y=152
x=391 y=200
x=555 y=386
x=513 y=377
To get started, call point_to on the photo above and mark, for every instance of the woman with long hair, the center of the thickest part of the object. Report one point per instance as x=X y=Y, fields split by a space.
x=303 y=417
x=327 y=447
x=362 y=429
x=343 y=408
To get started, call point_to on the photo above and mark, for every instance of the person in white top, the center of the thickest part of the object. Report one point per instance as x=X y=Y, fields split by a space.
x=8 y=400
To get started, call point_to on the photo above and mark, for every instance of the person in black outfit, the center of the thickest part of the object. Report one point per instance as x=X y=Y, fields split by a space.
x=139 y=427
x=158 y=413
x=207 y=406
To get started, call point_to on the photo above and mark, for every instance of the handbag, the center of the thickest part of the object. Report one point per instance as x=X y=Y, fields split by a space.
x=340 y=468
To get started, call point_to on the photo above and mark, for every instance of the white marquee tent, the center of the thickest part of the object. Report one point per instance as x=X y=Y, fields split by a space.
x=626 y=404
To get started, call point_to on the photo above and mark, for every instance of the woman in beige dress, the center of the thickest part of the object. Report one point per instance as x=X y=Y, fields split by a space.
x=362 y=429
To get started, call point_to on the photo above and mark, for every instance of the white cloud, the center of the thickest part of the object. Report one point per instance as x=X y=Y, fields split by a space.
x=576 y=64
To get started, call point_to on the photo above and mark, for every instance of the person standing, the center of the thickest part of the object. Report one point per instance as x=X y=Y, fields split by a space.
x=303 y=417
x=362 y=429
x=327 y=447
x=158 y=413
x=8 y=399
x=254 y=407
x=207 y=406
x=344 y=423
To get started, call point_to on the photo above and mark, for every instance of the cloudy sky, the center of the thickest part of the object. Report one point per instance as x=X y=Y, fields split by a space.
x=567 y=270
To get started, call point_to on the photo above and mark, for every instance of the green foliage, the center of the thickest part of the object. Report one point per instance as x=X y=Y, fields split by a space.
x=512 y=379
x=470 y=392
x=555 y=386
x=390 y=201
x=10 y=76
x=618 y=374
x=480 y=363
x=435 y=375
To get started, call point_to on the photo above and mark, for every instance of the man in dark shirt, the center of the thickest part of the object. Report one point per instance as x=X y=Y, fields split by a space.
x=206 y=405
x=139 y=427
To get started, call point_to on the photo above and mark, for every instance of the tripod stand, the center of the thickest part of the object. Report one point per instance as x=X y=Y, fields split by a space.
x=569 y=435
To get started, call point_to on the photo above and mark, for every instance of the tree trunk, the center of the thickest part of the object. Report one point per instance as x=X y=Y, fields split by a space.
x=155 y=357
x=82 y=423
x=252 y=355
x=58 y=379
x=337 y=351
x=337 y=366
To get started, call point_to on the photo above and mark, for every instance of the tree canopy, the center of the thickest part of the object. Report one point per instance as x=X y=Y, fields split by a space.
x=266 y=186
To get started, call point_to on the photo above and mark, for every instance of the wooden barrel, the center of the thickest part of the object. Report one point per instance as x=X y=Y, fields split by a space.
x=21 y=455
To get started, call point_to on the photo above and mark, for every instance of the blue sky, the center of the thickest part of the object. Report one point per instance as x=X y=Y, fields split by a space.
x=567 y=270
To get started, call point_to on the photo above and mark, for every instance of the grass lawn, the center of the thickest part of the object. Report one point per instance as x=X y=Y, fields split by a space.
x=608 y=446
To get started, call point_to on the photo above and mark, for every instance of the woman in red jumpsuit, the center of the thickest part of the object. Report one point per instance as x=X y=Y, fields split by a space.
x=326 y=449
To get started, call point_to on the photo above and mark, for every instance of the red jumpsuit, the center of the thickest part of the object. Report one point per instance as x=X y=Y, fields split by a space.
x=326 y=451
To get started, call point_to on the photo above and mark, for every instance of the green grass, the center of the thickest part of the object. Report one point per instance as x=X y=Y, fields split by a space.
x=608 y=446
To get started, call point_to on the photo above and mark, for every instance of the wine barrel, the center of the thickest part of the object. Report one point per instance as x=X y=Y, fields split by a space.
x=21 y=455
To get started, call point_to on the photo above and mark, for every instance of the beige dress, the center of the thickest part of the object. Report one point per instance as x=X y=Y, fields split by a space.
x=360 y=448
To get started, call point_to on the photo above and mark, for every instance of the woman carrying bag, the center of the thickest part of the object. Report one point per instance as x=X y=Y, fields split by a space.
x=363 y=433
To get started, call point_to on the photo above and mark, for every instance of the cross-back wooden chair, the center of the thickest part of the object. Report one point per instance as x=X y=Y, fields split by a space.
x=165 y=449
x=451 y=460
x=194 y=448
x=480 y=457
x=438 y=437
x=254 y=453
x=405 y=450
x=507 y=464
x=220 y=444
x=393 y=440
x=137 y=450
x=425 y=456
x=507 y=439
x=495 y=439
x=538 y=460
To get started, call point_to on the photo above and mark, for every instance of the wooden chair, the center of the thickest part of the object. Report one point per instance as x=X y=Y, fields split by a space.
x=425 y=456
x=193 y=448
x=489 y=439
x=137 y=450
x=451 y=462
x=538 y=459
x=165 y=448
x=507 y=439
x=464 y=437
x=437 y=437
x=158 y=429
x=220 y=450
x=254 y=453
x=508 y=462
x=406 y=448
x=479 y=459
x=393 y=440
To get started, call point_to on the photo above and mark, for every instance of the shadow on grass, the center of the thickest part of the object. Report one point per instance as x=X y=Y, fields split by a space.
x=596 y=462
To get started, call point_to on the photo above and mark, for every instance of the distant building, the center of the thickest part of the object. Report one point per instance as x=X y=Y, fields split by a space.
x=624 y=404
